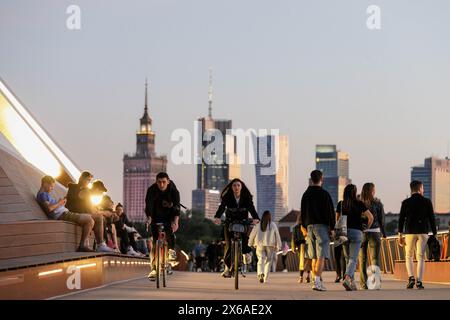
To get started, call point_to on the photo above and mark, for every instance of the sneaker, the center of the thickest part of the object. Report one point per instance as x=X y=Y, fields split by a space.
x=104 y=248
x=338 y=279
x=285 y=270
x=226 y=274
x=173 y=263
x=172 y=255
x=84 y=249
x=347 y=283
x=261 y=278
x=152 y=275
x=133 y=253
x=244 y=271
x=419 y=285
x=319 y=287
x=411 y=283
x=300 y=280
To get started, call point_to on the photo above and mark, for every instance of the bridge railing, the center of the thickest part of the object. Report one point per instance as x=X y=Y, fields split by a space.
x=390 y=252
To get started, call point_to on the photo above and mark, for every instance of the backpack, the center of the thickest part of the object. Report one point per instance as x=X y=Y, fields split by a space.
x=434 y=249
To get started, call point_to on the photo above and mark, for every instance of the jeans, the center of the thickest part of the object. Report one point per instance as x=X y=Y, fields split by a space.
x=265 y=256
x=418 y=241
x=351 y=250
x=372 y=241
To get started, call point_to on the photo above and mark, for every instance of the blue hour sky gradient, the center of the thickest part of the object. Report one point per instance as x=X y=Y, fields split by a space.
x=309 y=68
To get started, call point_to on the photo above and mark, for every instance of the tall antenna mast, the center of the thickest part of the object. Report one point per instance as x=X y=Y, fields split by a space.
x=210 y=94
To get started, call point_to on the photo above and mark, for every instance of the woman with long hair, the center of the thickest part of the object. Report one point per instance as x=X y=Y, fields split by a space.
x=236 y=202
x=266 y=239
x=355 y=210
x=372 y=236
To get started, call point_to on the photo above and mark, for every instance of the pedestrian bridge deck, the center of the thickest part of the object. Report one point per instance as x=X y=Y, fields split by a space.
x=282 y=286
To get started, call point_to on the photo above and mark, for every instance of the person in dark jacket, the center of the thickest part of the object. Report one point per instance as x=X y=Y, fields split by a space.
x=237 y=203
x=318 y=220
x=371 y=237
x=416 y=220
x=162 y=205
x=126 y=232
x=79 y=200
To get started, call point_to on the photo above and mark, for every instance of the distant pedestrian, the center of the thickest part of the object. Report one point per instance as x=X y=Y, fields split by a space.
x=371 y=237
x=299 y=245
x=416 y=220
x=285 y=250
x=318 y=220
x=355 y=210
x=266 y=238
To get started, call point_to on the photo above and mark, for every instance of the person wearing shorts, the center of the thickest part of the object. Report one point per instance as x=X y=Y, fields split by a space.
x=318 y=220
x=56 y=210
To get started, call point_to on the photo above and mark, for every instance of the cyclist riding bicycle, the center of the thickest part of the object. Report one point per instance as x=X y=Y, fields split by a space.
x=236 y=202
x=162 y=205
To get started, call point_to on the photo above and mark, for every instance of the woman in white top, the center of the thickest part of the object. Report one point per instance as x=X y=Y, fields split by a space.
x=266 y=238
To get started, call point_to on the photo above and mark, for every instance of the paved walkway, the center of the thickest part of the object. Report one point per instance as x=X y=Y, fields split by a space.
x=282 y=286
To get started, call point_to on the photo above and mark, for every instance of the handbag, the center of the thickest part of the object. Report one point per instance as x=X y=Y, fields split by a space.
x=341 y=229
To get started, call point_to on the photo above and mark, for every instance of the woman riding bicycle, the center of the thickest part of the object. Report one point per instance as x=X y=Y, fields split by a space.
x=236 y=202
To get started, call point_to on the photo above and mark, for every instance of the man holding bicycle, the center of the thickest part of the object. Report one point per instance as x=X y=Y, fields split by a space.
x=162 y=205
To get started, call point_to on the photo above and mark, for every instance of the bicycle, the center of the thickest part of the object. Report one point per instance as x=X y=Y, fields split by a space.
x=237 y=227
x=161 y=251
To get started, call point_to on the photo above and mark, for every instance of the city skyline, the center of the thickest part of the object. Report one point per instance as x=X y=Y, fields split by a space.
x=313 y=70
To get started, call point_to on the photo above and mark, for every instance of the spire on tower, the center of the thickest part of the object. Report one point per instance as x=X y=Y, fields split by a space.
x=146 y=121
x=210 y=94
x=146 y=98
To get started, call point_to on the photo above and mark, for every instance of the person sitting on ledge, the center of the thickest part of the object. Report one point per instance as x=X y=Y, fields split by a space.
x=126 y=232
x=110 y=234
x=79 y=200
x=56 y=210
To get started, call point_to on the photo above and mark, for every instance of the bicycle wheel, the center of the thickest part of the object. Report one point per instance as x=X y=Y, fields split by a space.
x=164 y=264
x=237 y=253
x=158 y=263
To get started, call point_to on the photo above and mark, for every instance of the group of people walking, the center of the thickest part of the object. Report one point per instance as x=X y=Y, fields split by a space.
x=355 y=225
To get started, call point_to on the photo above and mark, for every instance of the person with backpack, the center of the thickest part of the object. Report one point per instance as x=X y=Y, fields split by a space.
x=416 y=220
x=162 y=205
x=266 y=238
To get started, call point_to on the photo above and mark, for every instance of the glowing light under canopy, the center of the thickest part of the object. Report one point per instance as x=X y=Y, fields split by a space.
x=29 y=139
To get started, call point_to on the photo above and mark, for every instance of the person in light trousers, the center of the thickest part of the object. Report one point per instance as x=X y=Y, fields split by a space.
x=416 y=220
x=266 y=238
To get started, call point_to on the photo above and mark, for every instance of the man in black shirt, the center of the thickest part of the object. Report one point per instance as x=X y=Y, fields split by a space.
x=162 y=205
x=416 y=220
x=318 y=220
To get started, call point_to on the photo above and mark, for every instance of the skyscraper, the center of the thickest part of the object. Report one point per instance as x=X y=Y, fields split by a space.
x=334 y=165
x=435 y=175
x=214 y=174
x=272 y=179
x=140 y=169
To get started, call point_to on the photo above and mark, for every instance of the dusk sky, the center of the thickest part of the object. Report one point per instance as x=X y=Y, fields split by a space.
x=311 y=69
